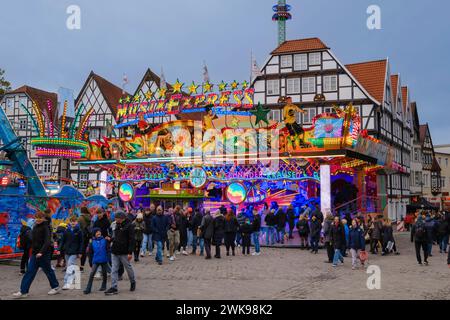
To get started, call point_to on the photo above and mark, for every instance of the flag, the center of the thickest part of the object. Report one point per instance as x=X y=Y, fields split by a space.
x=162 y=83
x=205 y=73
x=256 y=72
x=124 y=82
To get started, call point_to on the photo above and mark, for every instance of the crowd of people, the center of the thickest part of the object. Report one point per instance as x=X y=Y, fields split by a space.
x=110 y=244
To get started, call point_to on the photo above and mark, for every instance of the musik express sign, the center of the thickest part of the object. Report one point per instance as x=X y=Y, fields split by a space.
x=174 y=101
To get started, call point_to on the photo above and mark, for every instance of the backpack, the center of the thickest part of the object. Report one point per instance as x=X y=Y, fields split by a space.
x=420 y=230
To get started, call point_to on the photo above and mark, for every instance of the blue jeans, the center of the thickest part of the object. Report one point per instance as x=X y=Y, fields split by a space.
x=33 y=266
x=430 y=247
x=190 y=238
x=238 y=238
x=201 y=241
x=159 y=251
x=70 y=261
x=255 y=236
x=315 y=244
x=280 y=234
x=147 y=243
x=337 y=256
x=444 y=243
x=270 y=233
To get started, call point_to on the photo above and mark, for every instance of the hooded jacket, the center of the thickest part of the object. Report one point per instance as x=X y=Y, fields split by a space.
x=315 y=228
x=207 y=227
x=123 y=242
x=160 y=226
x=72 y=240
x=99 y=249
x=356 y=238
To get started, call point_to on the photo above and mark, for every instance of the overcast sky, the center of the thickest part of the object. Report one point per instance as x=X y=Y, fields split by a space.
x=118 y=37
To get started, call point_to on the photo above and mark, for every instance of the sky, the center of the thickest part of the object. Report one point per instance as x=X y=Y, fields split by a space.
x=127 y=37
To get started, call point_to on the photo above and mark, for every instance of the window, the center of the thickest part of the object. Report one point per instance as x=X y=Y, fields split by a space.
x=309 y=115
x=83 y=181
x=315 y=58
x=439 y=160
x=273 y=87
x=293 y=85
x=330 y=83
x=309 y=85
x=446 y=162
x=10 y=102
x=275 y=115
x=329 y=110
x=35 y=163
x=425 y=180
x=47 y=166
x=23 y=124
x=416 y=154
x=300 y=62
x=286 y=61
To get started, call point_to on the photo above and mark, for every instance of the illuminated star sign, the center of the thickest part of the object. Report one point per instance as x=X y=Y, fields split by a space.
x=244 y=85
x=193 y=88
x=120 y=100
x=207 y=87
x=162 y=92
x=177 y=86
x=261 y=114
x=127 y=99
x=234 y=85
x=222 y=86
x=136 y=98
x=148 y=95
x=130 y=131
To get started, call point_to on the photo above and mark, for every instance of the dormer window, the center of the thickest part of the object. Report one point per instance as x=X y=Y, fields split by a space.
x=315 y=58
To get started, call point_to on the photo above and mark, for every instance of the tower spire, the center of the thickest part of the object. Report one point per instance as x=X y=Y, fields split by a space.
x=281 y=15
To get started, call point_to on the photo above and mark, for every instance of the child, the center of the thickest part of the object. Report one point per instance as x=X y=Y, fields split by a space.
x=72 y=244
x=99 y=249
x=246 y=232
x=139 y=227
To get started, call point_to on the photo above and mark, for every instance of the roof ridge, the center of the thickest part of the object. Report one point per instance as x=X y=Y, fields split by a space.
x=366 y=62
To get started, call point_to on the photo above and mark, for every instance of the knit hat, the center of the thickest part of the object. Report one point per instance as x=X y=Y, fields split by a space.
x=140 y=216
x=94 y=231
x=120 y=214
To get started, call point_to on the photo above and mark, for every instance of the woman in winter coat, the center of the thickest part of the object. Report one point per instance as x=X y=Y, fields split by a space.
x=327 y=237
x=303 y=231
x=291 y=220
x=338 y=240
x=388 y=236
x=219 y=232
x=356 y=242
x=375 y=229
x=316 y=226
x=231 y=228
x=139 y=228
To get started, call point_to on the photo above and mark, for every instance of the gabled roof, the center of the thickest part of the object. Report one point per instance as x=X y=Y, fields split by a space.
x=405 y=99
x=372 y=76
x=415 y=116
x=300 y=45
x=423 y=132
x=394 y=82
x=435 y=166
x=151 y=76
x=39 y=96
x=110 y=91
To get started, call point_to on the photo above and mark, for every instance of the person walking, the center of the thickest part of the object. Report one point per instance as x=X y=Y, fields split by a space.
x=231 y=228
x=72 y=244
x=431 y=233
x=256 y=226
x=207 y=228
x=443 y=234
x=291 y=220
x=271 y=223
x=356 y=243
x=375 y=227
x=196 y=233
x=24 y=244
x=303 y=231
x=40 y=258
x=160 y=228
x=139 y=227
x=84 y=220
x=241 y=220
x=419 y=237
x=123 y=245
x=219 y=232
x=317 y=213
x=337 y=239
x=327 y=226
x=389 y=244
x=316 y=227
x=281 y=224
x=102 y=223
x=98 y=247
x=147 y=240
x=174 y=232
x=246 y=231
x=346 y=229
x=184 y=226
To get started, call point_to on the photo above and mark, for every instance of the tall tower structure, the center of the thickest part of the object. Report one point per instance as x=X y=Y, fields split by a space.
x=281 y=16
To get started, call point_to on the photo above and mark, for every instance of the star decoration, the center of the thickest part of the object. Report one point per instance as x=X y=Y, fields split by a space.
x=177 y=86
x=127 y=99
x=193 y=88
x=136 y=98
x=222 y=86
x=162 y=92
x=130 y=131
x=261 y=114
x=148 y=95
x=120 y=100
x=207 y=87
x=234 y=85
x=244 y=85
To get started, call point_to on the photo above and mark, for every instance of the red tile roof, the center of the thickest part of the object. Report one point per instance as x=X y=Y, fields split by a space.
x=372 y=76
x=394 y=83
x=39 y=96
x=423 y=129
x=300 y=45
x=405 y=98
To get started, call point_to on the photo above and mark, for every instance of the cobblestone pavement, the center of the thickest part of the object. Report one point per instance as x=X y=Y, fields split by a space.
x=275 y=274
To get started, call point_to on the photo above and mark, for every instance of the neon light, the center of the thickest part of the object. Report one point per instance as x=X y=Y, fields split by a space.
x=63 y=153
x=236 y=193
x=126 y=192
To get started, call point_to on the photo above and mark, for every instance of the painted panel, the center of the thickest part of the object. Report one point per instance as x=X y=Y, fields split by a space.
x=345 y=93
x=260 y=85
x=331 y=95
x=272 y=69
x=308 y=97
x=327 y=65
x=358 y=94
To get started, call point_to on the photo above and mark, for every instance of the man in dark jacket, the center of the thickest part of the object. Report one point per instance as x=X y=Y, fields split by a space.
x=291 y=220
x=256 y=224
x=219 y=232
x=25 y=245
x=338 y=240
x=356 y=242
x=327 y=238
x=174 y=232
x=419 y=237
x=195 y=225
x=281 y=224
x=41 y=249
x=160 y=226
x=317 y=213
x=72 y=245
x=84 y=222
x=207 y=228
x=147 y=242
x=123 y=245
x=102 y=222
x=315 y=234
x=431 y=229
x=271 y=230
